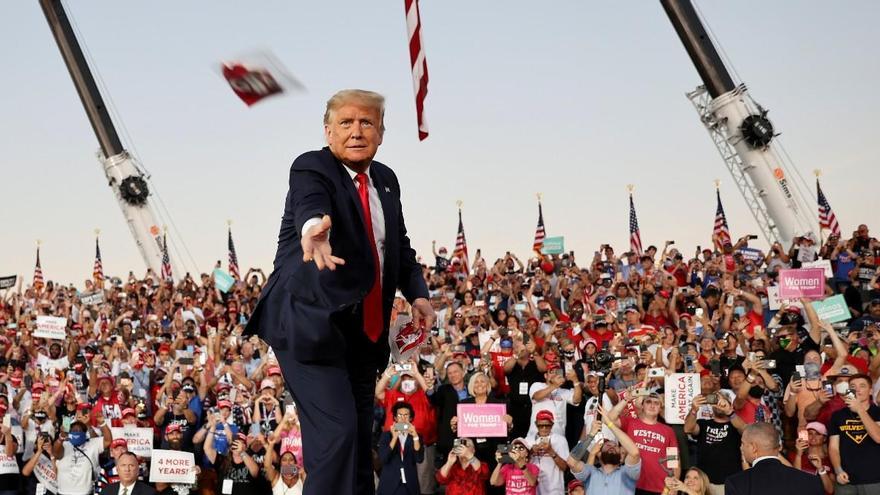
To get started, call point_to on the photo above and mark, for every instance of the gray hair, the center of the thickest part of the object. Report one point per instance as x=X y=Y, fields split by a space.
x=763 y=435
x=361 y=96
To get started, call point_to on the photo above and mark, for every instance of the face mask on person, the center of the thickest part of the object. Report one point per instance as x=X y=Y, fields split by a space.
x=756 y=391
x=739 y=311
x=408 y=386
x=784 y=341
x=289 y=470
x=841 y=388
x=77 y=438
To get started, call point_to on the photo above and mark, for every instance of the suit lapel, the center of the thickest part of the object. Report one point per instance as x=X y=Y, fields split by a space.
x=388 y=206
x=352 y=191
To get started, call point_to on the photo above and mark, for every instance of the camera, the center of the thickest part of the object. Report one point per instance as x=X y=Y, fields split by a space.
x=401 y=427
x=656 y=373
x=600 y=362
x=504 y=450
x=711 y=399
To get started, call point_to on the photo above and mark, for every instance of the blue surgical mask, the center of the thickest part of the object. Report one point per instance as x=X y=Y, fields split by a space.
x=739 y=310
x=77 y=438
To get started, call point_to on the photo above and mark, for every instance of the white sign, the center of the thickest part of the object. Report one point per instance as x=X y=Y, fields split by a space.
x=8 y=464
x=51 y=327
x=824 y=264
x=775 y=302
x=46 y=474
x=173 y=466
x=680 y=390
x=140 y=440
x=92 y=298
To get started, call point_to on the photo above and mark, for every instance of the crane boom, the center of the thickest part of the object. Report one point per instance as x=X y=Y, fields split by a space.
x=743 y=134
x=128 y=183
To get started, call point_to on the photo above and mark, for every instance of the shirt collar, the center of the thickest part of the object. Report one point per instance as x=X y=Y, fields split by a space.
x=352 y=173
x=763 y=458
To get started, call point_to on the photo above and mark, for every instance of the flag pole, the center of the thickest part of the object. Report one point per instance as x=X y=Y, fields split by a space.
x=817 y=172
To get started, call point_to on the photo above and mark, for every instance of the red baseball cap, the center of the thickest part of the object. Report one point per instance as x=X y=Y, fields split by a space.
x=173 y=427
x=83 y=406
x=544 y=415
x=273 y=370
x=119 y=442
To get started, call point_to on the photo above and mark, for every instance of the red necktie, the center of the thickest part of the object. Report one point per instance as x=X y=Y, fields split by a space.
x=373 y=319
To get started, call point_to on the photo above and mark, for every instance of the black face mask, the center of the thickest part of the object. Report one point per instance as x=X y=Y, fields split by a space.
x=756 y=391
x=609 y=457
x=568 y=354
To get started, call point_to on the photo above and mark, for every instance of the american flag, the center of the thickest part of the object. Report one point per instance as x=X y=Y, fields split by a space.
x=166 y=261
x=461 y=251
x=635 y=239
x=233 y=259
x=38 y=273
x=98 y=270
x=720 y=233
x=418 y=62
x=539 y=231
x=827 y=219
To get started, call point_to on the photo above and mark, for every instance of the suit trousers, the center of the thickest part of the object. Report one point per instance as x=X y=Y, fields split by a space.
x=334 y=402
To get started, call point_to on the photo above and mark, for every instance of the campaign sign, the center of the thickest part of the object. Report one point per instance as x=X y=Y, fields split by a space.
x=680 y=390
x=51 y=327
x=775 y=302
x=802 y=282
x=8 y=464
x=140 y=440
x=553 y=245
x=46 y=474
x=223 y=280
x=173 y=466
x=482 y=420
x=751 y=254
x=832 y=309
x=92 y=298
x=823 y=264
x=7 y=282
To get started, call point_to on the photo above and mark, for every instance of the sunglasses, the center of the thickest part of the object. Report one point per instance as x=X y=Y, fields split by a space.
x=545 y=425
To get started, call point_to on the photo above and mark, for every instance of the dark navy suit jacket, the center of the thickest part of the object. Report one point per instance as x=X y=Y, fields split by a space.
x=390 y=479
x=771 y=477
x=301 y=309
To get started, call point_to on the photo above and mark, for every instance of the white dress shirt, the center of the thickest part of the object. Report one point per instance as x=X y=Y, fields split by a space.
x=377 y=216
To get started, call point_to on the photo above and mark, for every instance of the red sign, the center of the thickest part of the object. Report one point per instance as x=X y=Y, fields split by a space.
x=251 y=84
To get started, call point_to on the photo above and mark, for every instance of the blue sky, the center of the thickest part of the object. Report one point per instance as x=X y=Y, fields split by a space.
x=574 y=99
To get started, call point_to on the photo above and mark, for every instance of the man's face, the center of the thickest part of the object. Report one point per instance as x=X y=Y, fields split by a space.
x=651 y=407
x=127 y=468
x=862 y=389
x=354 y=133
x=174 y=438
x=455 y=374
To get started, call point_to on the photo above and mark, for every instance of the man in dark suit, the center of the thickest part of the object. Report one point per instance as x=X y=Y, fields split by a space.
x=326 y=307
x=128 y=484
x=760 y=448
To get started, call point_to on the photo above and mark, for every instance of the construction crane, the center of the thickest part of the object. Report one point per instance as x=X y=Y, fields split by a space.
x=128 y=182
x=744 y=136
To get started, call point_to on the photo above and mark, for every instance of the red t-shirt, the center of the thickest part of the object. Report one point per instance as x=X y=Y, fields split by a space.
x=652 y=441
x=109 y=408
x=498 y=358
x=464 y=481
x=600 y=338
x=425 y=421
x=749 y=412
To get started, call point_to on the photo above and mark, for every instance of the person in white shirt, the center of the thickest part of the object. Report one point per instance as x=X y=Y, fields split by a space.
x=548 y=451
x=77 y=458
x=552 y=397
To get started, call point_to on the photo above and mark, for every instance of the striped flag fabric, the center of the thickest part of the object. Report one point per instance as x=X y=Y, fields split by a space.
x=827 y=218
x=98 y=270
x=418 y=62
x=167 y=274
x=38 y=283
x=233 y=259
x=635 y=238
x=720 y=232
x=539 y=231
x=461 y=250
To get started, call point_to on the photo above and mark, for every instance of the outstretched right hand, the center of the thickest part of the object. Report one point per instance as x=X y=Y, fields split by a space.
x=316 y=246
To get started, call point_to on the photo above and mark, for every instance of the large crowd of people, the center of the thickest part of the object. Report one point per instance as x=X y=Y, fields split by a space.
x=577 y=349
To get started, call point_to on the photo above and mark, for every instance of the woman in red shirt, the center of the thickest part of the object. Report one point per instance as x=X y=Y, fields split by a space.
x=463 y=473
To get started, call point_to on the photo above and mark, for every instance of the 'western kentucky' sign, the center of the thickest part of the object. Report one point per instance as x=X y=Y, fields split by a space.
x=257 y=76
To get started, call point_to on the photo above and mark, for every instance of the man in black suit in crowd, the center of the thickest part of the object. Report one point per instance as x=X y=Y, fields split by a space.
x=128 y=484
x=326 y=307
x=760 y=448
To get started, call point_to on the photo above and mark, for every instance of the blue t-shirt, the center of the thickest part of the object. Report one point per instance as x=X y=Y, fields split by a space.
x=621 y=481
x=845 y=264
